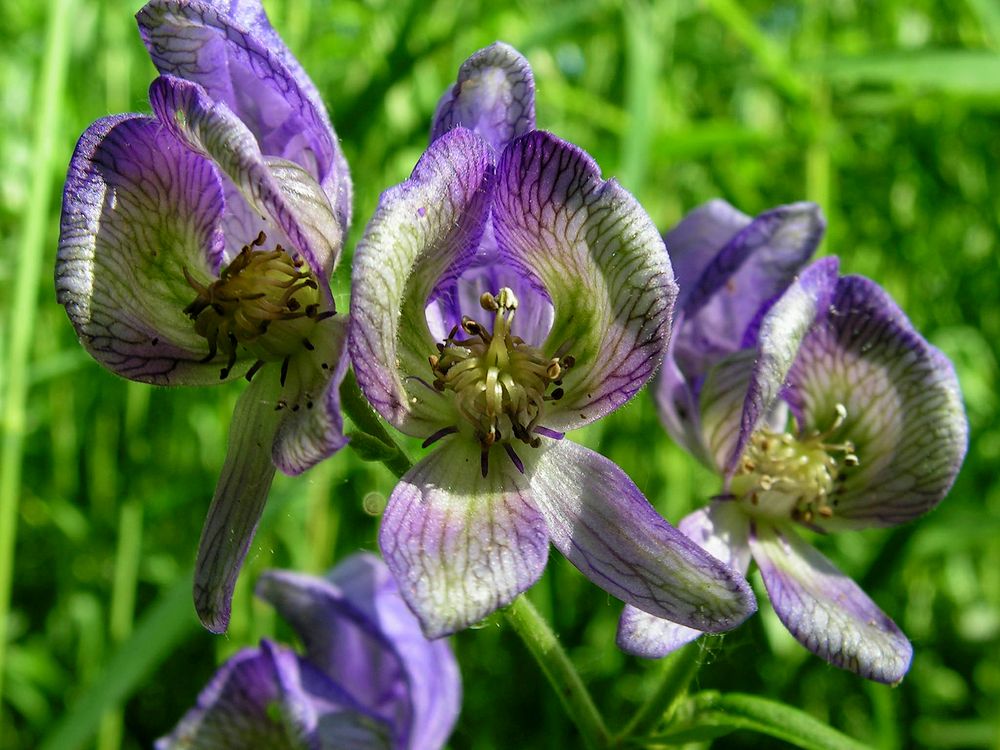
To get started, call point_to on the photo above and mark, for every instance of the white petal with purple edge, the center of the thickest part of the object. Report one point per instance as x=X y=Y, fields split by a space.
x=296 y=212
x=494 y=96
x=138 y=209
x=462 y=545
x=721 y=530
x=238 y=501
x=905 y=417
x=826 y=611
x=602 y=262
x=232 y=50
x=603 y=524
x=424 y=230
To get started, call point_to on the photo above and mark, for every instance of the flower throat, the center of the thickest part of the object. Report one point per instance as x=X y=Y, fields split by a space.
x=500 y=383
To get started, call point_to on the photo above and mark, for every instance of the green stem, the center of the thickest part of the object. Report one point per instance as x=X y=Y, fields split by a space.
x=356 y=406
x=25 y=297
x=562 y=675
x=675 y=676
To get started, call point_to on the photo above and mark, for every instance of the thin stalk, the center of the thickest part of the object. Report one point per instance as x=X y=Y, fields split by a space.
x=48 y=115
x=356 y=406
x=544 y=646
x=675 y=676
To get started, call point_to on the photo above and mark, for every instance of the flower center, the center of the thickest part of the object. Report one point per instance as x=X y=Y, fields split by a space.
x=264 y=301
x=782 y=476
x=499 y=382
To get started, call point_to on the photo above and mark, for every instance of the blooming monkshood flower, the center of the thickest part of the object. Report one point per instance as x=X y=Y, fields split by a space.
x=196 y=246
x=820 y=406
x=496 y=374
x=368 y=678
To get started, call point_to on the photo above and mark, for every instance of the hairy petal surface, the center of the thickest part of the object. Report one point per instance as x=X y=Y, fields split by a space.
x=294 y=210
x=239 y=500
x=826 y=611
x=311 y=425
x=755 y=265
x=494 y=96
x=462 y=545
x=357 y=628
x=905 y=415
x=602 y=523
x=229 y=48
x=424 y=230
x=271 y=698
x=602 y=262
x=781 y=333
x=138 y=208
x=722 y=531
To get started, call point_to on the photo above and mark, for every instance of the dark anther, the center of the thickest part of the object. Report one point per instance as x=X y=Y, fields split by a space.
x=311 y=310
x=295 y=407
x=470 y=326
x=309 y=404
x=281 y=405
x=154 y=341
x=253 y=369
x=568 y=361
x=484 y=461
x=324 y=365
x=325 y=314
x=557 y=394
x=292 y=304
x=260 y=240
x=284 y=370
x=308 y=344
x=515 y=459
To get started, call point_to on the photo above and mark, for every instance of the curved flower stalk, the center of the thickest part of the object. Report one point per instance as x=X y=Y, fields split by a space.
x=196 y=246
x=368 y=678
x=501 y=296
x=820 y=406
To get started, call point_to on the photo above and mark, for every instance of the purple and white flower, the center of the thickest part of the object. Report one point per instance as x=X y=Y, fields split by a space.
x=196 y=246
x=503 y=295
x=821 y=407
x=368 y=678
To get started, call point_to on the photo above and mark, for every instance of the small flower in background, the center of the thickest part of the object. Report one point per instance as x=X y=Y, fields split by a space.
x=196 y=246
x=820 y=406
x=368 y=678
x=501 y=296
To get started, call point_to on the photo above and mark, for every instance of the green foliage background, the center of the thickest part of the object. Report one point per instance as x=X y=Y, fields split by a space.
x=887 y=114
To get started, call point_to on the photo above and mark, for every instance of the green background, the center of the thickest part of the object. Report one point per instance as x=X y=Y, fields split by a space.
x=885 y=113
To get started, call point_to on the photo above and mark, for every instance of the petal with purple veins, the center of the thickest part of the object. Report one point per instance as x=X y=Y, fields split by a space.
x=138 y=210
x=297 y=213
x=595 y=251
x=311 y=426
x=424 y=232
x=604 y=525
x=756 y=264
x=904 y=412
x=238 y=501
x=494 y=96
x=721 y=530
x=231 y=50
x=460 y=544
x=826 y=611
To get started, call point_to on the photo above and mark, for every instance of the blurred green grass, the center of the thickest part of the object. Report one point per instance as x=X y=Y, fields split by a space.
x=887 y=114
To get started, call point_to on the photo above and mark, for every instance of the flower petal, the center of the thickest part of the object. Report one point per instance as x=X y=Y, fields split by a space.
x=826 y=611
x=755 y=265
x=721 y=530
x=295 y=210
x=602 y=523
x=424 y=232
x=311 y=426
x=357 y=628
x=271 y=698
x=238 y=502
x=138 y=208
x=462 y=545
x=494 y=96
x=905 y=416
x=781 y=332
x=602 y=262
x=231 y=50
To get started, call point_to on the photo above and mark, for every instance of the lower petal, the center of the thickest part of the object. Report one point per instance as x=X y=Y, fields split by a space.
x=236 y=507
x=462 y=545
x=604 y=525
x=826 y=611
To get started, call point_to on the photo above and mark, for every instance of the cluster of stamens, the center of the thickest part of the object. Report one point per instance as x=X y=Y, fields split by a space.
x=500 y=383
x=781 y=475
x=256 y=290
